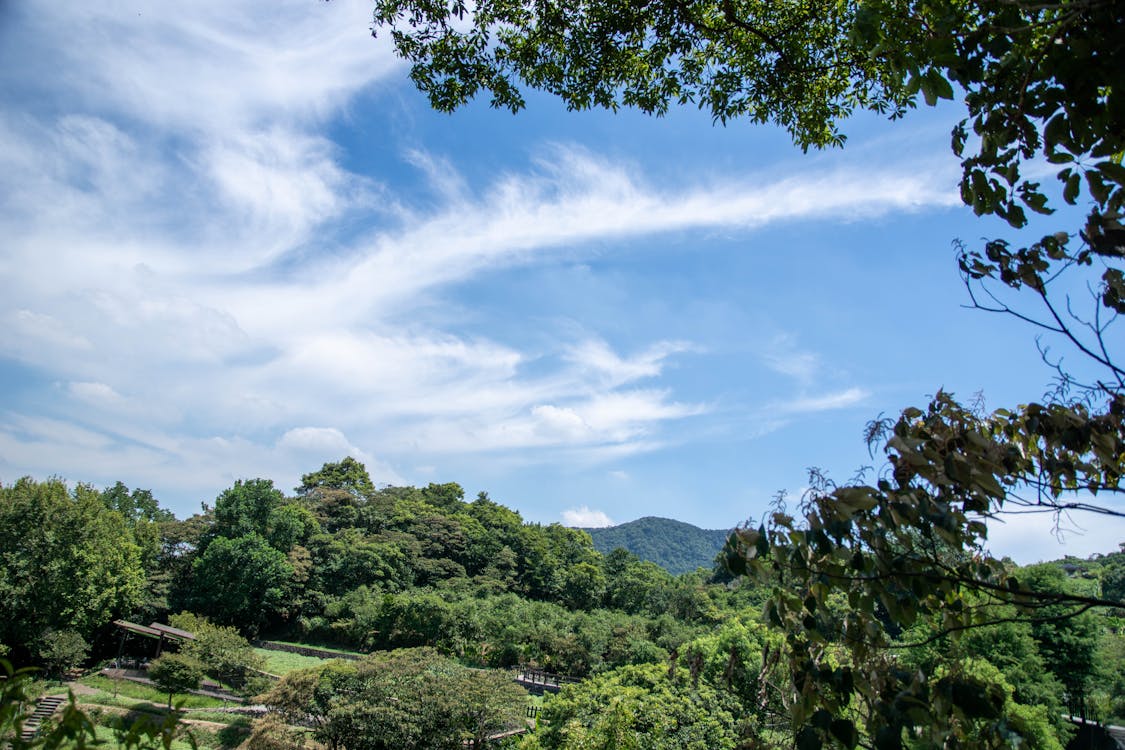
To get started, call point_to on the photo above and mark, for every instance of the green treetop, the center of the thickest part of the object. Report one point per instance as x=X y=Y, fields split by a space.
x=67 y=563
x=348 y=474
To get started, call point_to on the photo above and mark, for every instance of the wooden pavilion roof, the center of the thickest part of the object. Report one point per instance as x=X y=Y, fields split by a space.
x=170 y=632
x=133 y=627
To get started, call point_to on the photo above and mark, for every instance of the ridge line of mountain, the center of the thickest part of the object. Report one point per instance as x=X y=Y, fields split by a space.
x=677 y=546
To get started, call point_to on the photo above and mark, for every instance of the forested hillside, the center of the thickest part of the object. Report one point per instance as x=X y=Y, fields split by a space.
x=340 y=562
x=429 y=583
x=676 y=546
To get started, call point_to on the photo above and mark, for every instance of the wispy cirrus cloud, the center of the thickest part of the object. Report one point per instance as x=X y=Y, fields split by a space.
x=211 y=68
x=574 y=197
x=826 y=402
x=596 y=356
x=207 y=285
x=281 y=350
x=783 y=355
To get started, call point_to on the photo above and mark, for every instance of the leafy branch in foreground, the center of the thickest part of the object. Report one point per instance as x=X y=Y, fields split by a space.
x=913 y=547
x=910 y=552
x=73 y=728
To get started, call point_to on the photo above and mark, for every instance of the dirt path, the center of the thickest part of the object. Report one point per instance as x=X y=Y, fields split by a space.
x=79 y=689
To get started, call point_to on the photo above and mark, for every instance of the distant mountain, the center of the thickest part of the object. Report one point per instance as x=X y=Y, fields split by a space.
x=676 y=546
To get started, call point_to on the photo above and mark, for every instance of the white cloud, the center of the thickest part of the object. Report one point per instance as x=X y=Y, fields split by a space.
x=95 y=393
x=270 y=353
x=215 y=66
x=605 y=424
x=596 y=356
x=579 y=197
x=188 y=252
x=628 y=411
x=782 y=355
x=1033 y=537
x=316 y=438
x=278 y=185
x=586 y=518
x=564 y=421
x=442 y=176
x=27 y=332
x=35 y=429
x=826 y=402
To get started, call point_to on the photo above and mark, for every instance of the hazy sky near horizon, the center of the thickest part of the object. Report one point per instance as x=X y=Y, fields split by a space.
x=237 y=243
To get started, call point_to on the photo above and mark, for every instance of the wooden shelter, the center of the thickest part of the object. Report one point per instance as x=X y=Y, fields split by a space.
x=155 y=630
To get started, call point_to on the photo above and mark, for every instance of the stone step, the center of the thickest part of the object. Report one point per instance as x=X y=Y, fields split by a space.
x=44 y=708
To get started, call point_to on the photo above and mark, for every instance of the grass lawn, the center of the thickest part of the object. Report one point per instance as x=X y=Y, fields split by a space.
x=283 y=662
x=205 y=739
x=226 y=731
x=319 y=648
x=107 y=737
x=130 y=693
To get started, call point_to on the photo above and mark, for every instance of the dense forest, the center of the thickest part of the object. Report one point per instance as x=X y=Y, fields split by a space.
x=429 y=584
x=676 y=546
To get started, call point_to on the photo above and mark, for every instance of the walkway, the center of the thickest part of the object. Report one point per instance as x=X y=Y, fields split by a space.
x=537 y=681
x=1094 y=736
x=44 y=708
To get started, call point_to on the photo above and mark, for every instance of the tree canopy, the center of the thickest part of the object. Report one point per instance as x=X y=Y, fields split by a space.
x=640 y=707
x=408 y=698
x=67 y=562
x=1037 y=79
x=348 y=474
x=176 y=673
x=242 y=580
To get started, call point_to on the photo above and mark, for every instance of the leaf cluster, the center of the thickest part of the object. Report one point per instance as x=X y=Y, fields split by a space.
x=912 y=549
x=409 y=698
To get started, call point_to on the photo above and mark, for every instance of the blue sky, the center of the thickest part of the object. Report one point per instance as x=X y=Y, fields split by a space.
x=237 y=243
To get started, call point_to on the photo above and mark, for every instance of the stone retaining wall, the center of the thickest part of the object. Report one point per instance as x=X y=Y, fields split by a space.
x=304 y=650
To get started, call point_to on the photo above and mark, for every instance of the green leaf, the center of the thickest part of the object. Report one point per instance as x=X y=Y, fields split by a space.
x=1097 y=186
x=928 y=91
x=762 y=545
x=1113 y=171
x=940 y=86
x=1073 y=185
x=809 y=739
x=844 y=730
x=888 y=738
x=1056 y=129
